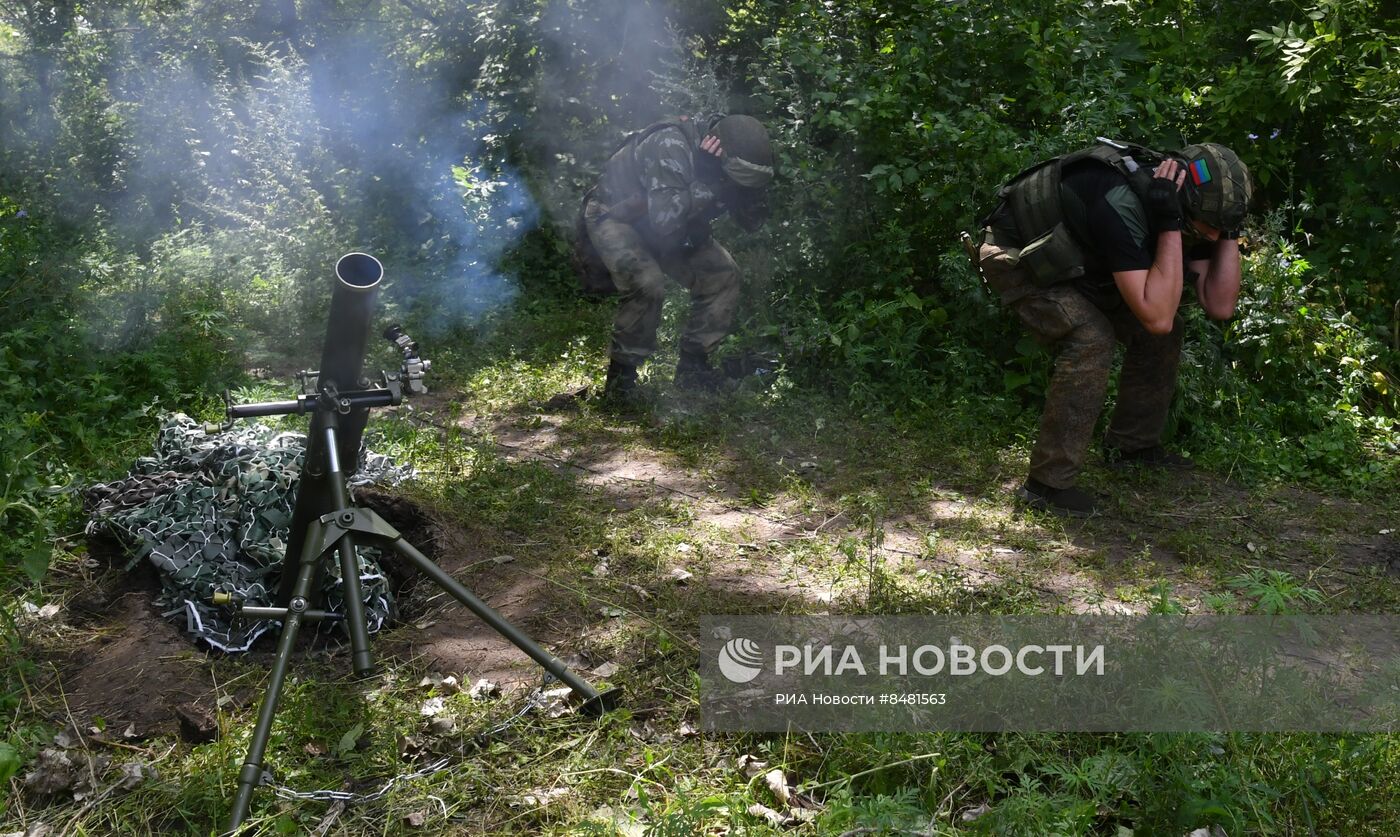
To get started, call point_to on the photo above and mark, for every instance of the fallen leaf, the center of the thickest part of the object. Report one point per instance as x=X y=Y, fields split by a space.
x=777 y=783
x=540 y=797
x=432 y=706
x=681 y=576
x=134 y=773
x=483 y=689
x=687 y=730
x=52 y=772
x=773 y=817
x=750 y=766
x=606 y=670
x=415 y=819
x=554 y=703
x=647 y=732
x=973 y=813
x=434 y=680
x=409 y=746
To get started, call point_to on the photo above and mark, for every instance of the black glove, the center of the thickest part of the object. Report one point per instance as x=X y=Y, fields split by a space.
x=708 y=167
x=1163 y=204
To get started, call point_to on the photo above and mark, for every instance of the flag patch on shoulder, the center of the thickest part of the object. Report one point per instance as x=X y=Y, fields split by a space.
x=1200 y=173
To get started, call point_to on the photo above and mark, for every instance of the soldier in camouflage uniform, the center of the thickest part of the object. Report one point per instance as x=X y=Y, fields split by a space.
x=650 y=217
x=1095 y=249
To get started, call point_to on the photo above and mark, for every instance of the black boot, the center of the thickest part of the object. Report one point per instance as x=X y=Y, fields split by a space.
x=693 y=372
x=1067 y=502
x=621 y=385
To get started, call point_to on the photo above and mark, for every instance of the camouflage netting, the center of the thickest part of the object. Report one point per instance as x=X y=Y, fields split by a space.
x=212 y=513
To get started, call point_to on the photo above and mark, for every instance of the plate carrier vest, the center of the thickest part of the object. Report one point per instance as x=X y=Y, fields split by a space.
x=1048 y=216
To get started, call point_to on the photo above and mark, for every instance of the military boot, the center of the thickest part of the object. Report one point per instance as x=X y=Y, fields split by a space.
x=621 y=388
x=693 y=372
x=1066 y=502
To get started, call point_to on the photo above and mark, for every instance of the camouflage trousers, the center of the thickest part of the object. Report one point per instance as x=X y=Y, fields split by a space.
x=1083 y=338
x=707 y=271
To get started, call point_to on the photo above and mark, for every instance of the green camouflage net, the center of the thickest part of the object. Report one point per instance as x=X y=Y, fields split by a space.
x=212 y=513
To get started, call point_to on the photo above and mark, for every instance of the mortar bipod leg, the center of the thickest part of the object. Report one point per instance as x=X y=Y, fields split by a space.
x=349 y=565
x=251 y=774
x=594 y=702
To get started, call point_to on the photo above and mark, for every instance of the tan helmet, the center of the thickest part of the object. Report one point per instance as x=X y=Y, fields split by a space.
x=1218 y=190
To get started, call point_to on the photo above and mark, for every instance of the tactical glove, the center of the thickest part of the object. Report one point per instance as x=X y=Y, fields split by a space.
x=709 y=167
x=1163 y=204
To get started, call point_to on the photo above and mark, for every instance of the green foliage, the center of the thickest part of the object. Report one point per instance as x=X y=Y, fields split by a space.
x=73 y=402
x=1275 y=592
x=897 y=124
x=1304 y=388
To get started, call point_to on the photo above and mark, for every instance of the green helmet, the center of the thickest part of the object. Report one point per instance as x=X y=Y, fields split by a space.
x=748 y=154
x=1217 y=185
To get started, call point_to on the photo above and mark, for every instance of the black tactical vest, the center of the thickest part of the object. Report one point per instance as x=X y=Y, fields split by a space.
x=1050 y=220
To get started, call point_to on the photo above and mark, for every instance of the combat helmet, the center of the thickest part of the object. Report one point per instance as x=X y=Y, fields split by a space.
x=748 y=153
x=1217 y=189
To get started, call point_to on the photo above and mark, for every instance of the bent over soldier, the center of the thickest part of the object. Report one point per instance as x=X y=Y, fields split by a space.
x=1094 y=249
x=649 y=217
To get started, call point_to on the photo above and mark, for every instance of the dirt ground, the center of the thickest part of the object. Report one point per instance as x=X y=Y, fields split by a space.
x=122 y=671
x=116 y=663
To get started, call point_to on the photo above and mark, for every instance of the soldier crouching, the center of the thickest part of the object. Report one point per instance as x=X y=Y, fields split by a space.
x=650 y=216
x=1094 y=249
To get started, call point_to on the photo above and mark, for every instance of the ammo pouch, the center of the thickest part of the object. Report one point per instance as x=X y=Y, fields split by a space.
x=594 y=278
x=1049 y=253
x=1053 y=256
